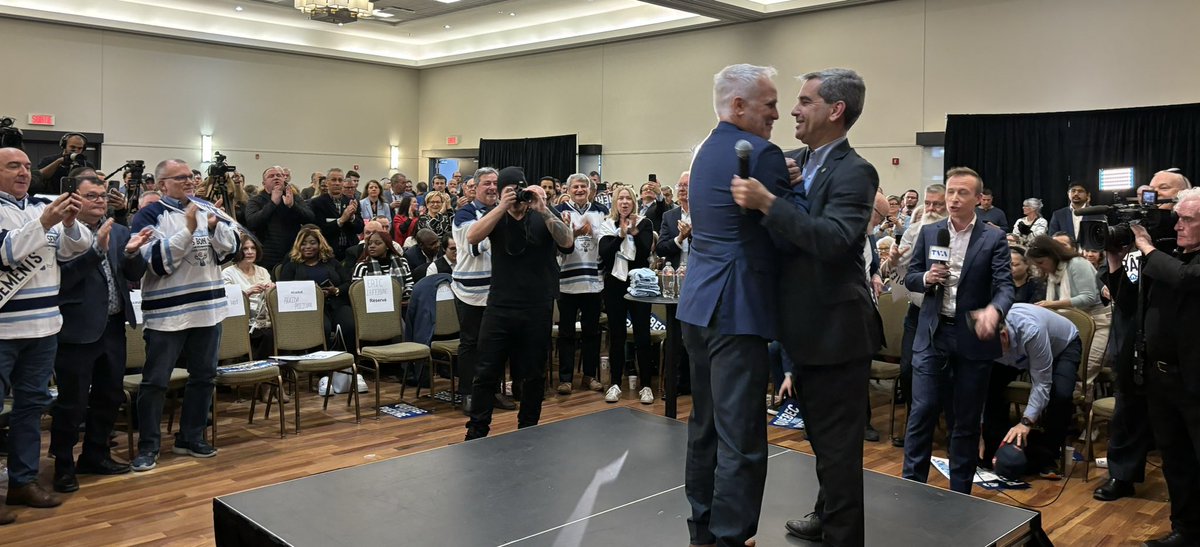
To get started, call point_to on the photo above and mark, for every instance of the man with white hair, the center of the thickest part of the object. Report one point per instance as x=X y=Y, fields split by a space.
x=728 y=313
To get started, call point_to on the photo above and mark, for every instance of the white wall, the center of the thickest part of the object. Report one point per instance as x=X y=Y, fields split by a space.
x=153 y=97
x=648 y=101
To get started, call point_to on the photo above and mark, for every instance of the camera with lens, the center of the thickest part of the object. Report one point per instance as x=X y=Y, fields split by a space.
x=1114 y=233
x=10 y=135
x=524 y=194
x=219 y=169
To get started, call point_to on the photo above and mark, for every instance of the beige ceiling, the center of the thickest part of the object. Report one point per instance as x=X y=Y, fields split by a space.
x=420 y=33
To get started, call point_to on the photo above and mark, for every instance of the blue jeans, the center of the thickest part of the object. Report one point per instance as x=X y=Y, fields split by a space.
x=200 y=346
x=25 y=367
x=945 y=381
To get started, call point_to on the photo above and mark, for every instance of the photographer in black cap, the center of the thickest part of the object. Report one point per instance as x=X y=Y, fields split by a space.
x=57 y=166
x=526 y=237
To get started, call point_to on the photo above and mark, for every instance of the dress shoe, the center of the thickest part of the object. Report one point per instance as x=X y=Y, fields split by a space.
x=898 y=442
x=1175 y=539
x=1114 y=489
x=107 y=466
x=807 y=528
x=466 y=405
x=6 y=516
x=505 y=402
x=65 y=482
x=870 y=434
x=32 y=495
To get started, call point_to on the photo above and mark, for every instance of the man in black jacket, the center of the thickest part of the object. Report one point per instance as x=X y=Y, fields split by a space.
x=90 y=364
x=337 y=215
x=1172 y=364
x=275 y=215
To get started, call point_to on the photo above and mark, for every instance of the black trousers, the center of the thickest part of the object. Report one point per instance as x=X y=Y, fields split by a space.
x=469 y=319
x=587 y=305
x=726 y=468
x=1129 y=436
x=1175 y=419
x=834 y=418
x=90 y=380
x=520 y=336
x=639 y=314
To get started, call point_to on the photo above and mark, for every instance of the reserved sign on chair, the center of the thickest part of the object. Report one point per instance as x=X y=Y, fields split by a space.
x=296 y=296
x=378 y=291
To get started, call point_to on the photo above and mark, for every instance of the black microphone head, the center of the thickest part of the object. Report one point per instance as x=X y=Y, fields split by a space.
x=743 y=148
x=1093 y=210
x=943 y=238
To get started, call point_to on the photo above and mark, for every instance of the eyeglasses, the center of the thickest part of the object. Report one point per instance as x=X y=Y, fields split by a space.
x=177 y=178
x=95 y=197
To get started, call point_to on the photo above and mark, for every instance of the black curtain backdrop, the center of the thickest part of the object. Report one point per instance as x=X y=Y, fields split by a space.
x=539 y=157
x=1021 y=156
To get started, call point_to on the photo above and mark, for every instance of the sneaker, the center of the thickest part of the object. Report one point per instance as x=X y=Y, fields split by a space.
x=564 y=388
x=1050 y=473
x=593 y=384
x=647 y=396
x=196 y=449
x=145 y=460
x=613 y=394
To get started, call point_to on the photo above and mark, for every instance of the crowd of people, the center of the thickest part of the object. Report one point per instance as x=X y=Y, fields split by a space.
x=807 y=227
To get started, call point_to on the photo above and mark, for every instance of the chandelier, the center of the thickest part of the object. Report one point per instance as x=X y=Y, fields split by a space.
x=354 y=8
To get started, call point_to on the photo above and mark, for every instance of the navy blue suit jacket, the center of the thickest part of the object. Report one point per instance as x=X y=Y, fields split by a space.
x=827 y=313
x=986 y=278
x=666 y=246
x=1061 y=221
x=732 y=260
x=83 y=292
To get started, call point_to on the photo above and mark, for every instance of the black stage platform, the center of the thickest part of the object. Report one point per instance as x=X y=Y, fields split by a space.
x=613 y=478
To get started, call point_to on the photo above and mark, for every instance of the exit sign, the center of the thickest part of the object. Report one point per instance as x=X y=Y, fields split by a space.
x=452 y=140
x=41 y=119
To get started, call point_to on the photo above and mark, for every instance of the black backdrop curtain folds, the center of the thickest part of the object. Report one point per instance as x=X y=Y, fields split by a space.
x=539 y=157
x=1039 y=155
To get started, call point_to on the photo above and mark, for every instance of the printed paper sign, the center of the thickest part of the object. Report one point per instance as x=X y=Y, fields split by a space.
x=402 y=411
x=135 y=298
x=378 y=290
x=789 y=416
x=296 y=296
x=234 y=304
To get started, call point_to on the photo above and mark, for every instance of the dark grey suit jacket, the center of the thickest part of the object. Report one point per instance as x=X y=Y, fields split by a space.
x=826 y=313
x=83 y=290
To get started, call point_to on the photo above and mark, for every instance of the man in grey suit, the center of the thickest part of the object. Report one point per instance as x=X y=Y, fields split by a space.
x=831 y=326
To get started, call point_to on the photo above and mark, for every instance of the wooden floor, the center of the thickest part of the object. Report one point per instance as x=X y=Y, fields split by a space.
x=172 y=504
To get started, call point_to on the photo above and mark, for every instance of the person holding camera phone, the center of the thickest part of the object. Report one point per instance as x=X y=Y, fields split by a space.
x=526 y=237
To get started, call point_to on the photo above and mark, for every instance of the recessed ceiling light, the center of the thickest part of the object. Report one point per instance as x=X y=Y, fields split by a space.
x=511 y=14
x=238 y=8
x=384 y=14
x=447 y=1
x=447 y=27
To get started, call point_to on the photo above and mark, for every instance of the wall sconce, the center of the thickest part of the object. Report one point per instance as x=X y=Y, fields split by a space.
x=395 y=156
x=206 y=148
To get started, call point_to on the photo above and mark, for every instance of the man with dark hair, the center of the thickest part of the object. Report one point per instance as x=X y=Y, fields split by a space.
x=350 y=186
x=1065 y=220
x=427 y=250
x=989 y=213
x=275 y=215
x=827 y=319
x=969 y=290
x=337 y=214
x=550 y=185
x=90 y=364
x=526 y=239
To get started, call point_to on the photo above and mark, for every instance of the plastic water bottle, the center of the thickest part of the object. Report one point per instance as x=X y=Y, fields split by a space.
x=668 y=281
x=605 y=370
x=375 y=268
x=680 y=274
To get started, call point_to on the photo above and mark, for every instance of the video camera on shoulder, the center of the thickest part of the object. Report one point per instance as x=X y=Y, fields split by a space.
x=1114 y=233
x=219 y=168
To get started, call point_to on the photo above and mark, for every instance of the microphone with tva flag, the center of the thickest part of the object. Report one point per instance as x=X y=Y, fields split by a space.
x=940 y=254
x=743 y=149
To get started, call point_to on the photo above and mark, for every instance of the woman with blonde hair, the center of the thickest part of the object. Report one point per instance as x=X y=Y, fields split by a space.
x=312 y=259
x=438 y=216
x=625 y=243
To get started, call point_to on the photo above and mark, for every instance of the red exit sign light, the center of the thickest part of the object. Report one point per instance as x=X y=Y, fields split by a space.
x=41 y=119
x=452 y=140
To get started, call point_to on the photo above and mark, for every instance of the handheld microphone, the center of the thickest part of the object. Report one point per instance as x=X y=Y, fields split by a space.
x=743 y=149
x=940 y=253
